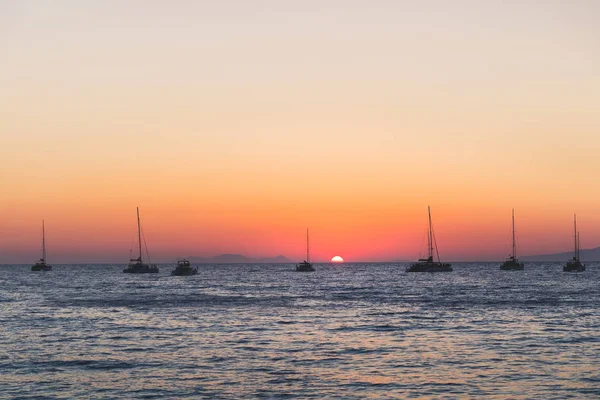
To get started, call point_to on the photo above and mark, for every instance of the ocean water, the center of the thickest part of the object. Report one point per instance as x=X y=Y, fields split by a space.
x=265 y=331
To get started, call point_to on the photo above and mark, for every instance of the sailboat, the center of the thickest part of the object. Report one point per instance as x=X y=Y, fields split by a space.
x=427 y=264
x=512 y=263
x=575 y=265
x=41 y=265
x=305 y=266
x=184 y=268
x=136 y=265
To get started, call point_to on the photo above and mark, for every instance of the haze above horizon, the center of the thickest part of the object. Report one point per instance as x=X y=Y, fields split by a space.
x=236 y=125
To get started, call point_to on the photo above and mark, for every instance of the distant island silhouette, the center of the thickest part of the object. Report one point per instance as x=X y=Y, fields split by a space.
x=586 y=255
x=239 y=259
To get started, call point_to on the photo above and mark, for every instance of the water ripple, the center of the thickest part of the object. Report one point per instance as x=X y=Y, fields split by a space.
x=346 y=331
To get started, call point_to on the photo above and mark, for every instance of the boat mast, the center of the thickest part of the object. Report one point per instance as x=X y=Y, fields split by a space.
x=514 y=247
x=43 y=242
x=578 y=246
x=139 y=233
x=430 y=238
x=575 y=236
x=307 y=248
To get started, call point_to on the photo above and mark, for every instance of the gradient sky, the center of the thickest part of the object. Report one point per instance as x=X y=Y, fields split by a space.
x=235 y=125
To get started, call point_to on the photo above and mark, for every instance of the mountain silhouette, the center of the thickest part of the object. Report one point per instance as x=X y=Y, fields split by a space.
x=585 y=255
x=239 y=259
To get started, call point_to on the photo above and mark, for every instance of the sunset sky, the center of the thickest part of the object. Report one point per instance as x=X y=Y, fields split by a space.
x=235 y=125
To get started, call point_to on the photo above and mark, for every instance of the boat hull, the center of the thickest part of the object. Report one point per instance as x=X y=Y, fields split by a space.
x=41 y=267
x=430 y=267
x=141 y=269
x=512 y=266
x=305 y=267
x=574 y=266
x=184 y=272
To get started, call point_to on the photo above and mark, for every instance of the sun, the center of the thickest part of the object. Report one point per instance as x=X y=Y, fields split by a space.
x=337 y=259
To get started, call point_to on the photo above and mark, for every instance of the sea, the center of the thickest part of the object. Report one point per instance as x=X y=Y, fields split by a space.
x=346 y=331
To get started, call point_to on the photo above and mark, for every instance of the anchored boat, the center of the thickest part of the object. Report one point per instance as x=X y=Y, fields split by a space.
x=137 y=265
x=512 y=263
x=575 y=264
x=41 y=265
x=305 y=266
x=427 y=264
x=184 y=268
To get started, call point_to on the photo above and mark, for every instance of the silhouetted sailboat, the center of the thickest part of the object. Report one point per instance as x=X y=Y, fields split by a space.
x=137 y=266
x=184 y=268
x=513 y=264
x=305 y=266
x=41 y=265
x=575 y=265
x=427 y=264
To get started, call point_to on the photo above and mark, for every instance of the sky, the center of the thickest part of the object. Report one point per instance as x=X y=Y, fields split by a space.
x=237 y=125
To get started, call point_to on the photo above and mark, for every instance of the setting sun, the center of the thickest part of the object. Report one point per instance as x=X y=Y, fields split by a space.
x=337 y=259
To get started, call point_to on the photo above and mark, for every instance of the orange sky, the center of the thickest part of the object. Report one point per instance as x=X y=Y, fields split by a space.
x=236 y=126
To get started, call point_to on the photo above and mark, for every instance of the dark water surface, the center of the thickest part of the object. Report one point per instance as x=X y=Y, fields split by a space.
x=264 y=331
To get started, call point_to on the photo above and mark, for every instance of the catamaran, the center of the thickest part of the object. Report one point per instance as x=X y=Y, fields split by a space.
x=575 y=265
x=136 y=265
x=305 y=266
x=512 y=263
x=184 y=268
x=41 y=265
x=427 y=264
